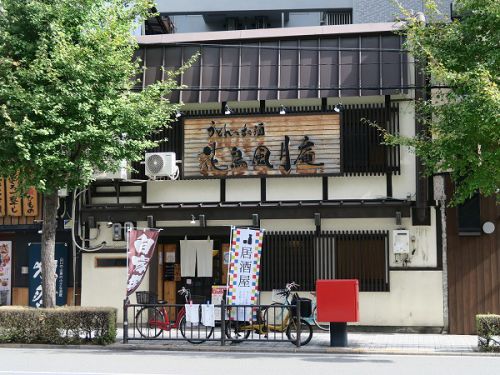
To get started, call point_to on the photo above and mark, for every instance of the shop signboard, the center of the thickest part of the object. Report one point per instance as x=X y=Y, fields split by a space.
x=244 y=269
x=35 y=274
x=5 y=272
x=268 y=145
x=217 y=296
x=11 y=204
x=13 y=199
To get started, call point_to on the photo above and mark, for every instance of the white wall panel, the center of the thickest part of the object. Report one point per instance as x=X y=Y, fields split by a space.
x=357 y=187
x=243 y=189
x=105 y=287
x=415 y=299
x=183 y=191
x=287 y=224
x=294 y=189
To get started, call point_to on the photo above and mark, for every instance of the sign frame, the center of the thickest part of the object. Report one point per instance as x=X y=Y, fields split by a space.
x=253 y=118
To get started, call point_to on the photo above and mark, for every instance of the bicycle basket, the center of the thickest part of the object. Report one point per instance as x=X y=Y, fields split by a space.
x=305 y=306
x=145 y=298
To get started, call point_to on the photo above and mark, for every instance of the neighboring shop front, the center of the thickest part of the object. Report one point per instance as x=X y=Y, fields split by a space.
x=20 y=246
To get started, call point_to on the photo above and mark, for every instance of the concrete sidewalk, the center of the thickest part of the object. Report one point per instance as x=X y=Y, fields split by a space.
x=394 y=343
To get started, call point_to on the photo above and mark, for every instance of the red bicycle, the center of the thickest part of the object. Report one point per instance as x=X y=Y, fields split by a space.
x=151 y=321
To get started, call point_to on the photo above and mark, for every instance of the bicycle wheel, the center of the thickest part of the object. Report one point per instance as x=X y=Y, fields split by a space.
x=325 y=326
x=148 y=322
x=234 y=331
x=306 y=331
x=195 y=334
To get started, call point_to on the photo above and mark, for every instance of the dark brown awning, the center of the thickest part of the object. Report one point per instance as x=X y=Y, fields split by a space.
x=244 y=210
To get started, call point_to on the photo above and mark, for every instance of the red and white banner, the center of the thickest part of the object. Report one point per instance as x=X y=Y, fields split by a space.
x=141 y=247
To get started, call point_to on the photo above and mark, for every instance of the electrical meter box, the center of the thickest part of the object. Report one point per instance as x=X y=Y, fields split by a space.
x=401 y=241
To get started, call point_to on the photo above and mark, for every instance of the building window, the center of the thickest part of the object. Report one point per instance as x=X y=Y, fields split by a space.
x=257 y=22
x=469 y=216
x=363 y=256
x=110 y=262
x=305 y=257
x=337 y=17
x=232 y=23
x=362 y=148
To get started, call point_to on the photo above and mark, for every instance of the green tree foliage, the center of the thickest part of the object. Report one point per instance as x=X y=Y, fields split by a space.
x=463 y=118
x=67 y=107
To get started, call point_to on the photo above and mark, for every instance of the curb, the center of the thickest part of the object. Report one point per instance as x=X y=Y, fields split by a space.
x=239 y=349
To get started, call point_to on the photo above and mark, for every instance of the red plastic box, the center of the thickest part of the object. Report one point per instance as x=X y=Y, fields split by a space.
x=337 y=300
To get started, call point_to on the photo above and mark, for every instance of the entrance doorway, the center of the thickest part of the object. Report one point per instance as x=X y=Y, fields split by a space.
x=169 y=273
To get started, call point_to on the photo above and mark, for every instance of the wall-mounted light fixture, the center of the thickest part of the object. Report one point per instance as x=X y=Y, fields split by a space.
x=398 y=218
x=338 y=107
x=255 y=220
x=151 y=221
x=317 y=219
x=117 y=232
x=227 y=110
x=203 y=222
x=91 y=222
x=193 y=219
x=178 y=114
x=282 y=110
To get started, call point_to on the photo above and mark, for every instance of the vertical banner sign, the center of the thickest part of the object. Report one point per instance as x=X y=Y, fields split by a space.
x=2 y=196
x=5 y=272
x=30 y=203
x=35 y=274
x=140 y=249
x=244 y=269
x=13 y=200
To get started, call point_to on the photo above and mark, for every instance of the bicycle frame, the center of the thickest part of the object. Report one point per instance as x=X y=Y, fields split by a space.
x=264 y=327
x=166 y=324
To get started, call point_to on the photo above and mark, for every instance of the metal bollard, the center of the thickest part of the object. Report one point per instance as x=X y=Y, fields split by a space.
x=223 y=322
x=125 y=320
x=299 y=326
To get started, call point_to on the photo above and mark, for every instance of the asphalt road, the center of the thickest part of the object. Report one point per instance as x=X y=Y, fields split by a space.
x=27 y=361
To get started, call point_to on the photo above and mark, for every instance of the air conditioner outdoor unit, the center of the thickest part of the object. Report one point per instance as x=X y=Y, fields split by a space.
x=161 y=164
x=123 y=173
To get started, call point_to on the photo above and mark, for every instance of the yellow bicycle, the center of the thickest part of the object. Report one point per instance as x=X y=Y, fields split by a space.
x=276 y=318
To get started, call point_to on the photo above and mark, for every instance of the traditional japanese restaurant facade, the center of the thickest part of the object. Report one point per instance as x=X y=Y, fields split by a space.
x=316 y=177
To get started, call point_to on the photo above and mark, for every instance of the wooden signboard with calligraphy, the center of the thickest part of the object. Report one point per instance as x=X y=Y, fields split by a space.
x=13 y=200
x=2 y=196
x=30 y=203
x=262 y=145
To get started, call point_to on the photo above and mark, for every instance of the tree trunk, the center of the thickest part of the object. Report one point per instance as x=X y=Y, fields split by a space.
x=48 y=248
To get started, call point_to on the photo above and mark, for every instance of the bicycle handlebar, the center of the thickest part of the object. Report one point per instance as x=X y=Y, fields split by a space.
x=288 y=289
